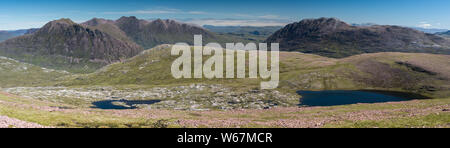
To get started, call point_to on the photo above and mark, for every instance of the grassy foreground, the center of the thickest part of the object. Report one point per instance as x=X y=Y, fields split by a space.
x=416 y=113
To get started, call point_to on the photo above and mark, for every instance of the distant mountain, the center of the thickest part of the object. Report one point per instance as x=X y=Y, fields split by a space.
x=149 y=34
x=17 y=74
x=63 y=44
x=430 y=30
x=444 y=34
x=334 y=38
x=268 y=30
x=245 y=33
x=152 y=33
x=4 y=35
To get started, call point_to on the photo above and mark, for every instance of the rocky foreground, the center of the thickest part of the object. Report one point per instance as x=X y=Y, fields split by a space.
x=408 y=114
x=6 y=122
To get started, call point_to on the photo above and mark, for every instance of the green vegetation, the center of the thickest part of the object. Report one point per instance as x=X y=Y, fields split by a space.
x=17 y=74
x=57 y=62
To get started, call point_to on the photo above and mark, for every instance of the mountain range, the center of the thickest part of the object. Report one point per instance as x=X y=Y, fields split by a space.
x=65 y=45
x=430 y=30
x=334 y=38
x=86 y=47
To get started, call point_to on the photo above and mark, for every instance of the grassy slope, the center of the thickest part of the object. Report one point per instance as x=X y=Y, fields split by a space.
x=57 y=62
x=14 y=74
x=382 y=71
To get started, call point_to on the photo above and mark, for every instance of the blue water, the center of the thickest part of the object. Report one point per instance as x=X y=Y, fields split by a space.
x=344 y=97
x=108 y=104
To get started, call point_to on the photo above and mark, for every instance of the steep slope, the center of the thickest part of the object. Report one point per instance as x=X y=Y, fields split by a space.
x=63 y=44
x=149 y=34
x=17 y=74
x=426 y=74
x=333 y=38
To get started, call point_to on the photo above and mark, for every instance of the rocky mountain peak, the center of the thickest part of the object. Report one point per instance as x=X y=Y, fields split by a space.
x=321 y=25
x=57 y=25
x=334 y=38
x=97 y=21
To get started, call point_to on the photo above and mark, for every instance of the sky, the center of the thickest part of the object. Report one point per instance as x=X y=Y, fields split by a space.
x=24 y=14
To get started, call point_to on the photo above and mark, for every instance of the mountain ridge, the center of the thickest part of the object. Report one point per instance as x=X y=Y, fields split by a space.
x=334 y=38
x=149 y=34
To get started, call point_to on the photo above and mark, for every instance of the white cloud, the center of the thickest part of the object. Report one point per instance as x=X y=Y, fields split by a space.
x=235 y=22
x=171 y=11
x=196 y=12
x=244 y=15
x=425 y=25
x=157 y=11
x=270 y=17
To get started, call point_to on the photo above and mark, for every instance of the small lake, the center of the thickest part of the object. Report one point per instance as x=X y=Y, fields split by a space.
x=127 y=104
x=346 y=97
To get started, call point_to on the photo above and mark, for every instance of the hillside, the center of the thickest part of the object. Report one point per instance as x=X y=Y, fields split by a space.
x=63 y=44
x=334 y=38
x=17 y=74
x=149 y=34
x=426 y=74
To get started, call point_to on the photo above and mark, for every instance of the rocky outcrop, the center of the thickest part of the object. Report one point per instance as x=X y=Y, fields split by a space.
x=149 y=34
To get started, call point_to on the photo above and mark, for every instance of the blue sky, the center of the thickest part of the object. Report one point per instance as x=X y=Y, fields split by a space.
x=20 y=14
